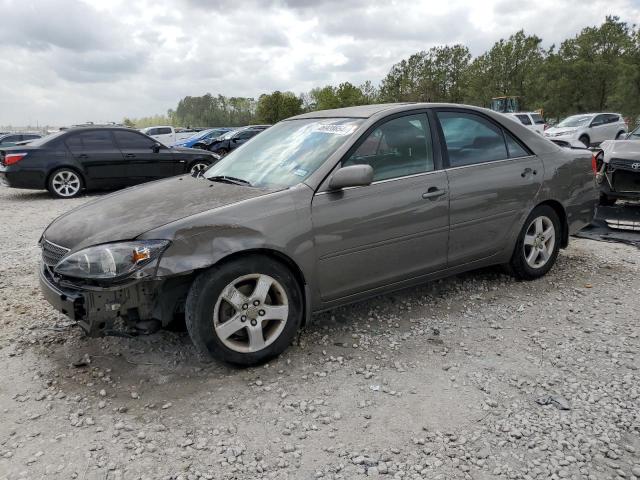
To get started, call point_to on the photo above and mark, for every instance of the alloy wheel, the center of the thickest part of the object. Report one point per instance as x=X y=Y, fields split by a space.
x=251 y=313
x=198 y=168
x=66 y=183
x=539 y=242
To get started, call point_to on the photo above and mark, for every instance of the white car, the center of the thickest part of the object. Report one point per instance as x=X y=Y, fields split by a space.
x=166 y=135
x=589 y=128
x=531 y=120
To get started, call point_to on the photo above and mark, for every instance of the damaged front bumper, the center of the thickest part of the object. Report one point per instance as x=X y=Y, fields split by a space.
x=102 y=310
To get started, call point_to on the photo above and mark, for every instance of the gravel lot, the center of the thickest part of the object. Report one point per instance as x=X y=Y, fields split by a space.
x=476 y=376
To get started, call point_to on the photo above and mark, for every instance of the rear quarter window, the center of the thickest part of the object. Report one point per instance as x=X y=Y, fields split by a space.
x=537 y=119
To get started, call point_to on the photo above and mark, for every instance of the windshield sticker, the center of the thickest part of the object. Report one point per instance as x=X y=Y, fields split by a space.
x=334 y=129
x=300 y=172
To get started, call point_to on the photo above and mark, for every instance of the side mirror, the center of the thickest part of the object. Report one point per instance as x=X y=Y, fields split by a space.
x=351 y=176
x=156 y=147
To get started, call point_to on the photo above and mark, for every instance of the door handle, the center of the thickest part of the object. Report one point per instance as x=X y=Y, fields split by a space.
x=129 y=155
x=527 y=171
x=83 y=155
x=433 y=192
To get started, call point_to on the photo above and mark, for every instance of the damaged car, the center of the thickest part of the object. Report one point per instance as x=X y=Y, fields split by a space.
x=321 y=210
x=617 y=165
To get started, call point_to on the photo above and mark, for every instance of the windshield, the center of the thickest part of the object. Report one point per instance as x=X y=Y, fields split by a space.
x=576 y=121
x=287 y=153
x=228 y=135
x=635 y=133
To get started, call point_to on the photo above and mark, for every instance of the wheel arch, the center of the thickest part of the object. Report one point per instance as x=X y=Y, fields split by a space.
x=562 y=215
x=61 y=167
x=284 y=259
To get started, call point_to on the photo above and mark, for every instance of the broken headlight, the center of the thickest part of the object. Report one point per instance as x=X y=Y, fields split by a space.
x=110 y=260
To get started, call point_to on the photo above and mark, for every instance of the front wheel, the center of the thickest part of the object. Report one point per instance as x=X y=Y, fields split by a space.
x=65 y=183
x=538 y=244
x=585 y=141
x=245 y=312
x=198 y=167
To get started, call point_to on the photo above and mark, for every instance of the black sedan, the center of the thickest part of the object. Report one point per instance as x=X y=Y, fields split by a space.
x=69 y=161
x=232 y=140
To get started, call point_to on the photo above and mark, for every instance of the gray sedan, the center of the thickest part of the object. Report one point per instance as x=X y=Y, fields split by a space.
x=320 y=210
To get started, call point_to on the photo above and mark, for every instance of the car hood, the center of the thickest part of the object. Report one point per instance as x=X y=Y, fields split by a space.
x=126 y=214
x=559 y=130
x=624 y=149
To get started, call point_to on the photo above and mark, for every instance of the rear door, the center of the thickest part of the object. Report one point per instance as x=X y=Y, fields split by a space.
x=599 y=129
x=493 y=182
x=389 y=231
x=144 y=161
x=99 y=156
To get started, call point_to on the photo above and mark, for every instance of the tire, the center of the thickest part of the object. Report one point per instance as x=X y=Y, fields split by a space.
x=198 y=166
x=620 y=134
x=606 y=200
x=223 y=319
x=65 y=183
x=534 y=256
x=585 y=140
x=222 y=152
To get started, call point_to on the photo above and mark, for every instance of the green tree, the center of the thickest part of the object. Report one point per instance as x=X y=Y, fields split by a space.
x=276 y=106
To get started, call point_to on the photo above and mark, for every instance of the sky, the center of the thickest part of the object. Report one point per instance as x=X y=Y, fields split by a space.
x=71 y=61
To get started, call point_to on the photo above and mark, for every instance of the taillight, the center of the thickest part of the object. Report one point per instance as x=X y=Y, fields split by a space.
x=596 y=162
x=13 y=158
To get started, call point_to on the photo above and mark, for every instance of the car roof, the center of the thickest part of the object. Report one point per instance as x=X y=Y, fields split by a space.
x=360 y=111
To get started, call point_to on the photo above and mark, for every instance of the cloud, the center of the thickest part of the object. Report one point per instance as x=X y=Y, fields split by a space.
x=68 y=61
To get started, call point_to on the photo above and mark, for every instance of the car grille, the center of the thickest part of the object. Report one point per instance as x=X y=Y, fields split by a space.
x=621 y=163
x=624 y=181
x=52 y=253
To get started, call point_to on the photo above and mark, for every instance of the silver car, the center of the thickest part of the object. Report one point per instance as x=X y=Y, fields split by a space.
x=320 y=210
x=589 y=128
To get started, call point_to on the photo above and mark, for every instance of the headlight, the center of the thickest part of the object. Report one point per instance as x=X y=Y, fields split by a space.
x=110 y=260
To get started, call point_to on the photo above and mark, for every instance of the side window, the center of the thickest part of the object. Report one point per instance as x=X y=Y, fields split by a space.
x=397 y=148
x=246 y=134
x=132 y=140
x=97 y=140
x=152 y=131
x=74 y=143
x=162 y=131
x=537 y=119
x=471 y=139
x=515 y=149
x=598 y=120
x=524 y=119
x=613 y=118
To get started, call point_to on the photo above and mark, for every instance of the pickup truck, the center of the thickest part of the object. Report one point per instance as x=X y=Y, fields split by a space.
x=167 y=135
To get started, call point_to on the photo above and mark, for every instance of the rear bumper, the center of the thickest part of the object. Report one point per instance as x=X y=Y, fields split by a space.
x=13 y=177
x=99 y=311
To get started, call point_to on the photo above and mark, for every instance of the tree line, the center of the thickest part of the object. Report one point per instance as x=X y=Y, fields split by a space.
x=596 y=70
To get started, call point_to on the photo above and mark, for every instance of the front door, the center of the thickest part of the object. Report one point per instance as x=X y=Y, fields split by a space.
x=392 y=230
x=493 y=183
x=144 y=161
x=101 y=159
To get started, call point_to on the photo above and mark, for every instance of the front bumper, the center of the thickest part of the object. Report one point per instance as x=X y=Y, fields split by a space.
x=619 y=180
x=100 y=311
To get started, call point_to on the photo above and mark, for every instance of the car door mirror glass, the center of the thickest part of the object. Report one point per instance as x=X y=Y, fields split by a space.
x=351 y=176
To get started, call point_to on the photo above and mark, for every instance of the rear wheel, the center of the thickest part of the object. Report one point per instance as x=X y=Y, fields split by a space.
x=620 y=134
x=538 y=244
x=245 y=312
x=65 y=183
x=585 y=140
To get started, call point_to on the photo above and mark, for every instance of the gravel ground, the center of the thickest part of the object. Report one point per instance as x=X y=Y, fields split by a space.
x=476 y=376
